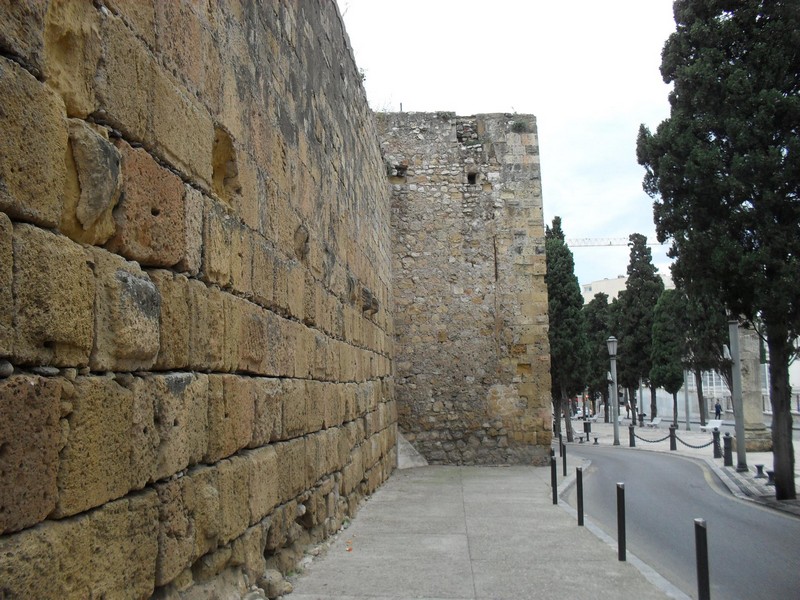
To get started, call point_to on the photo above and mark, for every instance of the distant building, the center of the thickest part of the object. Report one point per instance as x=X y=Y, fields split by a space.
x=613 y=287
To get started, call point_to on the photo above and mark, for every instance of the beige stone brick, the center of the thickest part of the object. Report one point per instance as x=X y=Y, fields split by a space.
x=334 y=403
x=127 y=312
x=231 y=405
x=303 y=340
x=295 y=415
x=218 y=231
x=254 y=340
x=264 y=482
x=315 y=405
x=263 y=272
x=150 y=218
x=174 y=113
x=95 y=464
x=296 y=289
x=291 y=467
x=268 y=415
x=202 y=501
x=111 y=551
x=174 y=321
x=21 y=34
x=233 y=478
x=176 y=532
x=192 y=244
x=53 y=299
x=92 y=185
x=30 y=439
x=206 y=327
x=242 y=260
x=234 y=310
x=6 y=285
x=138 y=16
x=180 y=416
x=33 y=173
x=179 y=35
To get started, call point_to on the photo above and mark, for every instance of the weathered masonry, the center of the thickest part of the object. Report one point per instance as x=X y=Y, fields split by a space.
x=472 y=356
x=195 y=306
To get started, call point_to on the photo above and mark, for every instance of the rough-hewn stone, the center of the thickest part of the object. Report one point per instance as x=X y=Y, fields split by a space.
x=6 y=285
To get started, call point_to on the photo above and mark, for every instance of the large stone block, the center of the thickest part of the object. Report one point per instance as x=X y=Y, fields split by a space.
x=110 y=551
x=294 y=410
x=96 y=463
x=181 y=417
x=192 y=243
x=21 y=34
x=268 y=415
x=231 y=405
x=174 y=328
x=176 y=534
x=291 y=467
x=233 y=477
x=219 y=230
x=33 y=145
x=253 y=340
x=264 y=482
x=6 y=285
x=30 y=440
x=53 y=299
x=127 y=312
x=263 y=272
x=206 y=327
x=150 y=217
x=202 y=500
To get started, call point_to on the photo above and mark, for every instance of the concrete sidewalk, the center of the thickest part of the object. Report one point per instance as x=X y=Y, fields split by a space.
x=464 y=533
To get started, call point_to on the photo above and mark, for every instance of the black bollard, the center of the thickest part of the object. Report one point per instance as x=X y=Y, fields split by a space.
x=631 y=438
x=564 y=460
x=701 y=548
x=579 y=476
x=727 y=443
x=560 y=445
x=554 y=479
x=587 y=428
x=621 y=521
x=673 y=444
x=641 y=419
x=717 y=449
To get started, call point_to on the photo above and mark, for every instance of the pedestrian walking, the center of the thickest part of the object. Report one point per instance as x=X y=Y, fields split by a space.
x=717 y=410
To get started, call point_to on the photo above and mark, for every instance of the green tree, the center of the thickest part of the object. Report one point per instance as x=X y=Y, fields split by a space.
x=637 y=305
x=724 y=170
x=596 y=315
x=669 y=345
x=567 y=332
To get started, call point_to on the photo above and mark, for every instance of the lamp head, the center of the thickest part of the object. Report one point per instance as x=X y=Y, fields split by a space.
x=612 y=346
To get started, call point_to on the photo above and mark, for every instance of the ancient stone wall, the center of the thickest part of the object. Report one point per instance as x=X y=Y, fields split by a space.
x=194 y=293
x=472 y=356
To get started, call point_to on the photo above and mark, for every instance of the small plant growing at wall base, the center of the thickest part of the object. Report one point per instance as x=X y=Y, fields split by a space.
x=520 y=126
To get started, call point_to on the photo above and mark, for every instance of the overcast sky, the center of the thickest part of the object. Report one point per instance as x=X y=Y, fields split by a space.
x=587 y=69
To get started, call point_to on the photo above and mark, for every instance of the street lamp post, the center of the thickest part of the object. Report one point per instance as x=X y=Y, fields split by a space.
x=736 y=392
x=612 y=353
x=686 y=397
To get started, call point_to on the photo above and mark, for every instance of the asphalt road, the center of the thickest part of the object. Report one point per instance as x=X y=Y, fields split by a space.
x=754 y=552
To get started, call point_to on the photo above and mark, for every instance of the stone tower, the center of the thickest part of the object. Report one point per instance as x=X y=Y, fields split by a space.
x=471 y=349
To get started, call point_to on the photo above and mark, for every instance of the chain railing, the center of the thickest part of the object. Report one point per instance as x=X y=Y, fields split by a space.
x=638 y=437
x=692 y=445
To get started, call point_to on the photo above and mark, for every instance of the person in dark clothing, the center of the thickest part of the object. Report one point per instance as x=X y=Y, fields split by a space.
x=717 y=410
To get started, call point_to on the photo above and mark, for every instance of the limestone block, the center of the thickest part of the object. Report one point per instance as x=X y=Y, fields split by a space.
x=174 y=328
x=291 y=467
x=315 y=405
x=320 y=457
x=202 y=501
x=233 y=310
x=295 y=289
x=174 y=114
x=281 y=346
x=21 y=34
x=335 y=406
x=248 y=551
x=233 y=477
x=139 y=16
x=253 y=340
x=304 y=344
x=206 y=327
x=264 y=482
x=294 y=410
x=127 y=312
x=110 y=551
x=353 y=472
x=181 y=416
x=150 y=218
x=231 y=405
x=263 y=272
x=192 y=243
x=280 y=291
x=268 y=414
x=30 y=439
x=6 y=285
x=125 y=80
x=242 y=260
x=179 y=33
x=53 y=299
x=218 y=232
x=73 y=48
x=32 y=173
x=93 y=185
x=176 y=534
x=95 y=463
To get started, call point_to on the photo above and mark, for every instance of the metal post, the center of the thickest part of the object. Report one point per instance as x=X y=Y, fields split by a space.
x=579 y=475
x=738 y=404
x=621 y=521
x=612 y=351
x=631 y=438
x=554 y=479
x=717 y=449
x=641 y=417
x=564 y=460
x=560 y=445
x=727 y=442
x=686 y=397
x=701 y=548
x=673 y=444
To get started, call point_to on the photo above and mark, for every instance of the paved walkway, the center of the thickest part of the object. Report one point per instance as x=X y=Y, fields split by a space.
x=493 y=533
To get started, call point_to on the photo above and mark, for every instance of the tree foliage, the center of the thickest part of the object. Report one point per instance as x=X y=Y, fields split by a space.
x=596 y=317
x=724 y=170
x=567 y=333
x=669 y=345
x=636 y=305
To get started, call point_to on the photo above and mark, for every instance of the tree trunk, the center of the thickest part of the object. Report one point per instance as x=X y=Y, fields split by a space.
x=780 y=397
x=566 y=403
x=698 y=382
x=606 y=395
x=675 y=409
x=557 y=415
x=653 y=405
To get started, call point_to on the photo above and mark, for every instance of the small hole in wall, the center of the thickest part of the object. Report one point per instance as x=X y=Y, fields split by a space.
x=472 y=178
x=155 y=212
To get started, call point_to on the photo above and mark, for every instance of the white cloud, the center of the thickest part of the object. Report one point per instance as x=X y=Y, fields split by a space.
x=588 y=70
